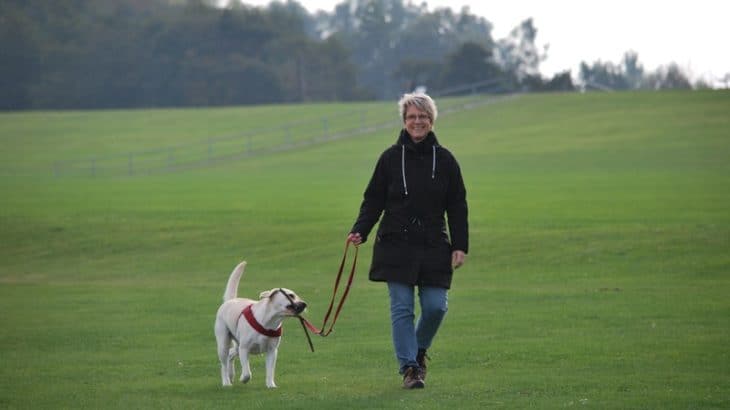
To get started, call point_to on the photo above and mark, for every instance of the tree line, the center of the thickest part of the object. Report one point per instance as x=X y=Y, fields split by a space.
x=67 y=54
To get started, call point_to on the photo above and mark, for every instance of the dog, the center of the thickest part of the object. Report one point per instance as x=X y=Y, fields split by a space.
x=246 y=326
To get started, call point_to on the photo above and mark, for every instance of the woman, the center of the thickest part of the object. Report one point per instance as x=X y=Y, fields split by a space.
x=416 y=181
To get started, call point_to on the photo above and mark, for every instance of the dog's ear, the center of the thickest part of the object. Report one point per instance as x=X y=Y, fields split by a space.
x=265 y=294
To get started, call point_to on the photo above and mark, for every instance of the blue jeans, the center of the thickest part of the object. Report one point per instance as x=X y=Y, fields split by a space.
x=407 y=338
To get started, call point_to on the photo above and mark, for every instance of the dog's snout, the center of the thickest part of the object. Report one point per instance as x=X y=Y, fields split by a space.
x=299 y=307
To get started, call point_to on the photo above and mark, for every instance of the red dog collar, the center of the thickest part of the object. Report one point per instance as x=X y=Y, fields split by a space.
x=248 y=314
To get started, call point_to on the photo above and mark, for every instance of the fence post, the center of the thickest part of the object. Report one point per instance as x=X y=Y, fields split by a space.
x=210 y=150
x=325 y=127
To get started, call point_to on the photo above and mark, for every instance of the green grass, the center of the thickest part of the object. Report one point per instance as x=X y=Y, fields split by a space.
x=598 y=276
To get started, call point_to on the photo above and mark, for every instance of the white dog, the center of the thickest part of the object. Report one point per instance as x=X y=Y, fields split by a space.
x=253 y=327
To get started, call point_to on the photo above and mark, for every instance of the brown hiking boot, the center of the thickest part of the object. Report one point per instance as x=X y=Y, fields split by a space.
x=412 y=379
x=421 y=359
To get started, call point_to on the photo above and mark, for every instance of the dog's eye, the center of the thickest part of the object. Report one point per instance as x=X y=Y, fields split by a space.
x=291 y=295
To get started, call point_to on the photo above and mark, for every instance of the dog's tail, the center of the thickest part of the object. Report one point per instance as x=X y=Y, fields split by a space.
x=232 y=286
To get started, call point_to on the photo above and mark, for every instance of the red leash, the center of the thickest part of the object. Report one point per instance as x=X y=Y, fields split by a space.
x=322 y=331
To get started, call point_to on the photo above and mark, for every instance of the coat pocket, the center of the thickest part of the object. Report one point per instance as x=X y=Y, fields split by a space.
x=391 y=250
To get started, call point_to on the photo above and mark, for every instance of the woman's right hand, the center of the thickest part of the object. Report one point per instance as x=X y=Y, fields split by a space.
x=355 y=238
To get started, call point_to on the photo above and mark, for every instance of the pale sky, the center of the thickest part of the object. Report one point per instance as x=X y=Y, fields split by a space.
x=693 y=34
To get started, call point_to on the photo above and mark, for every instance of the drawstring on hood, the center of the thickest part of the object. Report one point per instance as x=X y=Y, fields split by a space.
x=403 y=167
x=433 y=167
x=404 y=139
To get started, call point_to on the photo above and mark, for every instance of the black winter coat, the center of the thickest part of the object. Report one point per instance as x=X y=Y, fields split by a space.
x=413 y=186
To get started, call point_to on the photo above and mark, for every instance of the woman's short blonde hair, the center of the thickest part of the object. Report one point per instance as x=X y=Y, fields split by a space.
x=419 y=100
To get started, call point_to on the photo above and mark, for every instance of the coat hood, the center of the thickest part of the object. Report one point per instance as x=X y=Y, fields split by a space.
x=405 y=140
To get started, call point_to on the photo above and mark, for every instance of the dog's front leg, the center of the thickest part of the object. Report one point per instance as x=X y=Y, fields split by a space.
x=271 y=367
x=245 y=367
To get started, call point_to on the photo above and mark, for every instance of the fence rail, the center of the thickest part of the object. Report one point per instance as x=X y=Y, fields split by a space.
x=215 y=150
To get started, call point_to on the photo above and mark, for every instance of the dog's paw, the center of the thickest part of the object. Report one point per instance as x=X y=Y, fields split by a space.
x=245 y=378
x=271 y=385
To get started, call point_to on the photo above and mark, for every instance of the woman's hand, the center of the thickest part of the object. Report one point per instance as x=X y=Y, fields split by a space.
x=457 y=258
x=355 y=238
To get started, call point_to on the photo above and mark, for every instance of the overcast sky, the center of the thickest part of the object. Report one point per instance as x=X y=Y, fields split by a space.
x=693 y=34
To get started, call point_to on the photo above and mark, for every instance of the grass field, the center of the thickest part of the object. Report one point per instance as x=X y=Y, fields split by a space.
x=598 y=276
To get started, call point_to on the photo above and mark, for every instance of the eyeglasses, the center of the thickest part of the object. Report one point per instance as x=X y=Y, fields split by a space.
x=413 y=117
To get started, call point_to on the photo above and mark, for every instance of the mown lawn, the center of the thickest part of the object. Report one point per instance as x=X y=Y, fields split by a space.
x=598 y=275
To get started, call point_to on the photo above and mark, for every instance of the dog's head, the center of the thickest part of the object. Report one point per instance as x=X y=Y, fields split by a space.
x=284 y=300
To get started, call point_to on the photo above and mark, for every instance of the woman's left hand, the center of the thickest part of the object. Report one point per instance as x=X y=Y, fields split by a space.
x=457 y=258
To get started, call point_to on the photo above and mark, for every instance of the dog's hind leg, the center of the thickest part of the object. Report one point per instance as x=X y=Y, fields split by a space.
x=232 y=354
x=223 y=339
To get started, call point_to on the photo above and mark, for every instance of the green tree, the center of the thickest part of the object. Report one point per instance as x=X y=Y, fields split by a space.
x=633 y=69
x=470 y=63
x=412 y=73
x=602 y=75
x=630 y=74
x=388 y=39
x=314 y=71
x=518 y=54
x=559 y=82
x=19 y=63
x=670 y=76
x=132 y=53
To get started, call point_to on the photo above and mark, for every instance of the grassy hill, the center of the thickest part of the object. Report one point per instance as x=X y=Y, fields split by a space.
x=598 y=273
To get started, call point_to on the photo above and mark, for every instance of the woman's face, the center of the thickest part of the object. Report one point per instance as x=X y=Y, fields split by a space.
x=418 y=123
